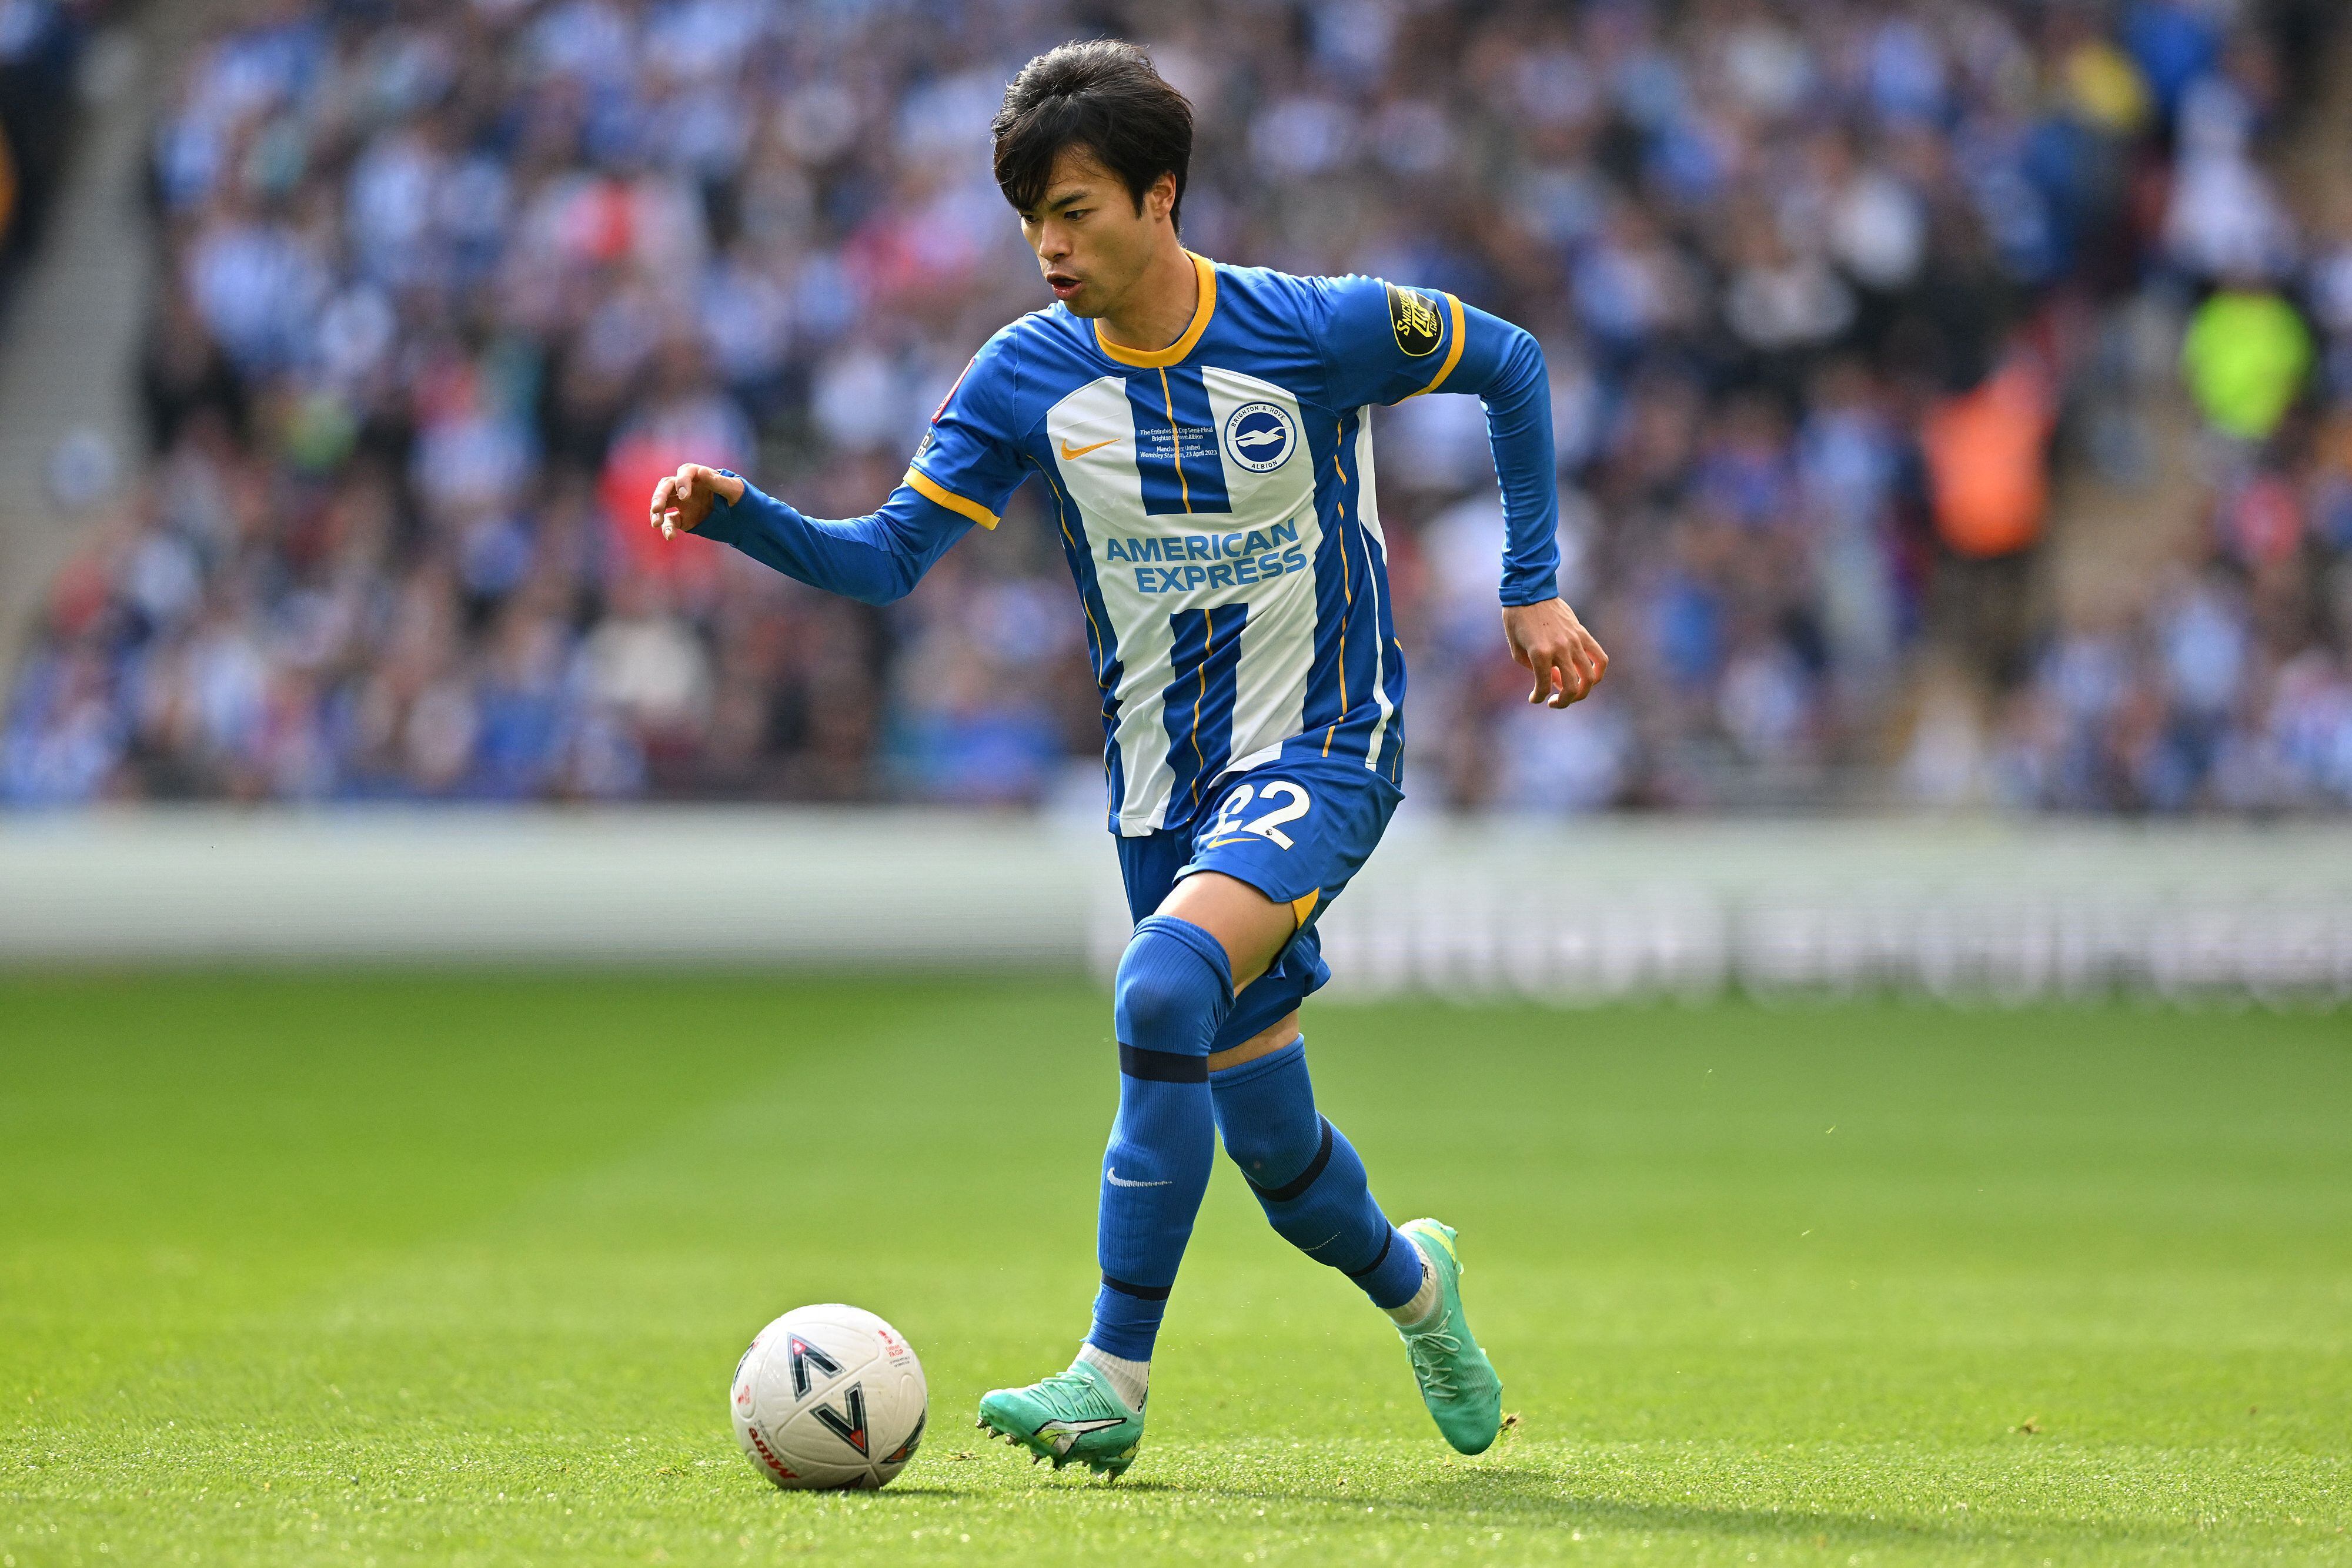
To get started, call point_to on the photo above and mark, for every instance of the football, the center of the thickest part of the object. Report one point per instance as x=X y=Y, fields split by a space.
x=829 y=1398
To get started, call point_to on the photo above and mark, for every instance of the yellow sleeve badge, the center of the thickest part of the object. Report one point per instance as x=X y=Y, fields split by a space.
x=1413 y=318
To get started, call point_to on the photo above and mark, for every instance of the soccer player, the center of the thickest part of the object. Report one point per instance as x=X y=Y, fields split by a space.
x=1203 y=432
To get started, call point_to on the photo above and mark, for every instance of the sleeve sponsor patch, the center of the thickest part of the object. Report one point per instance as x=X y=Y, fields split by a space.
x=1413 y=318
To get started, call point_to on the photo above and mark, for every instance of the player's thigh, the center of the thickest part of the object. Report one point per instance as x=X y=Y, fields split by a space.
x=1275 y=847
x=1150 y=865
x=1252 y=927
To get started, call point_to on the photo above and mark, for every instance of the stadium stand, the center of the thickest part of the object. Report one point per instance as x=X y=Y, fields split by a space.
x=40 y=46
x=1830 y=292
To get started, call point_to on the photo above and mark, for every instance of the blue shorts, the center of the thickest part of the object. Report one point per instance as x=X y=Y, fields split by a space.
x=1296 y=830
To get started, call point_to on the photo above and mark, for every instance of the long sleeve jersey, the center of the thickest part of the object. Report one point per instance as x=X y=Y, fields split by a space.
x=1215 y=501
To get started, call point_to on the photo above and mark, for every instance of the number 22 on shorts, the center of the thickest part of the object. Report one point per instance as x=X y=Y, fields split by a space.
x=1269 y=824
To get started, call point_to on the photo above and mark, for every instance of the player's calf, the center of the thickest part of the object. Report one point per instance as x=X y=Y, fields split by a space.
x=1308 y=1177
x=1173 y=991
x=1314 y=1190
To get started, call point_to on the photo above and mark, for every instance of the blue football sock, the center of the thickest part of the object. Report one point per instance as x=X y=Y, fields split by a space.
x=1308 y=1178
x=1174 y=989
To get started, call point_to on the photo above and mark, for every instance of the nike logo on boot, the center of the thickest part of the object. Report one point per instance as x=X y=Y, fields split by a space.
x=1068 y=1433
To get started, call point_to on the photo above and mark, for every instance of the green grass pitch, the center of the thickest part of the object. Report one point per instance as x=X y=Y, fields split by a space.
x=398 y=1268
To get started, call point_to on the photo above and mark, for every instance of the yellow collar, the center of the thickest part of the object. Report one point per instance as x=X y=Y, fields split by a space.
x=1203 y=309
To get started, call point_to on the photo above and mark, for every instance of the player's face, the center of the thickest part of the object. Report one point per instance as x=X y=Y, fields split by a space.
x=1091 y=242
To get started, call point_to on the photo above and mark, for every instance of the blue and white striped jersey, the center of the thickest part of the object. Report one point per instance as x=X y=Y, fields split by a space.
x=1215 y=502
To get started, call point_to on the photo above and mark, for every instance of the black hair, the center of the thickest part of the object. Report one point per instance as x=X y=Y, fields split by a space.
x=1101 y=95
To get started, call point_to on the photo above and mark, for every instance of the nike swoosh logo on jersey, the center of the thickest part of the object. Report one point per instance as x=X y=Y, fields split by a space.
x=1069 y=451
x=1115 y=1179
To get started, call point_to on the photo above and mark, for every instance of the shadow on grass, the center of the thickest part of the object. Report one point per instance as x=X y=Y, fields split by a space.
x=1524 y=1497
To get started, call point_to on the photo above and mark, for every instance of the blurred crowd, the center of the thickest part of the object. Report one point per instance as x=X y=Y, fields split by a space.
x=41 y=44
x=2211 y=669
x=1827 y=289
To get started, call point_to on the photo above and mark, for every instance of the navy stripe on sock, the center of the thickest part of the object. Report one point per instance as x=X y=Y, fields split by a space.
x=1388 y=1239
x=1166 y=1067
x=1306 y=1178
x=1141 y=1293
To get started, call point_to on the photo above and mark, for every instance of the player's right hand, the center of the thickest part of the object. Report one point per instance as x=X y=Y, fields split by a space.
x=683 y=500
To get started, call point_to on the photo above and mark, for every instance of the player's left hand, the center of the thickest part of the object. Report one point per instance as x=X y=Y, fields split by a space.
x=1547 y=639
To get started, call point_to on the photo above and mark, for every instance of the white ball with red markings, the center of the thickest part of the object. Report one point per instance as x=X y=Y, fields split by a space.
x=829 y=1398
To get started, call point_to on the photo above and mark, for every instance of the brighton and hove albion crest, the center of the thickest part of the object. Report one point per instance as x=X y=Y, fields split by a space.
x=1259 y=436
x=1413 y=318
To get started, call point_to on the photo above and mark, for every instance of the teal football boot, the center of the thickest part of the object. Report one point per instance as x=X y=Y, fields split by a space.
x=1457 y=1382
x=1073 y=1416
